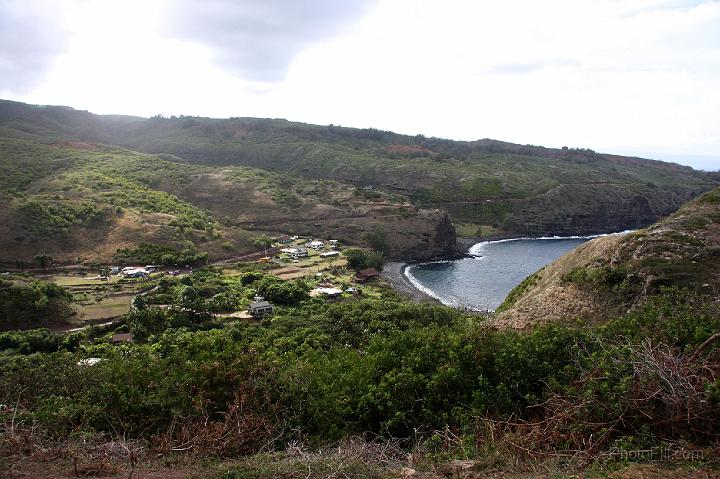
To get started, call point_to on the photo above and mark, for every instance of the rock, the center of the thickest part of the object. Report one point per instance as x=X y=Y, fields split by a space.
x=407 y=472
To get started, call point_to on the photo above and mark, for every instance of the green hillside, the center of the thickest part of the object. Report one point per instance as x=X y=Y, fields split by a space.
x=514 y=189
x=84 y=202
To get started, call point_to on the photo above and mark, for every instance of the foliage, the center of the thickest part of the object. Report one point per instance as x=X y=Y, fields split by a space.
x=326 y=371
x=282 y=292
x=31 y=303
x=361 y=259
x=377 y=238
x=38 y=341
x=518 y=291
x=152 y=253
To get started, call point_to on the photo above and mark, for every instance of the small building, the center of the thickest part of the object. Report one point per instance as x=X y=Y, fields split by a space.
x=284 y=239
x=122 y=338
x=135 y=272
x=366 y=274
x=115 y=270
x=329 y=254
x=260 y=308
x=315 y=244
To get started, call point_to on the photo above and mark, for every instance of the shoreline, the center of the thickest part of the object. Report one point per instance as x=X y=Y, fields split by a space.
x=394 y=274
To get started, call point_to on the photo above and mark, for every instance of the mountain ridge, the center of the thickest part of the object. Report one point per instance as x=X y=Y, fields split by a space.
x=413 y=187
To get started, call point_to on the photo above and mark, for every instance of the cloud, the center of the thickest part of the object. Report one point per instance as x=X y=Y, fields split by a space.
x=258 y=39
x=30 y=39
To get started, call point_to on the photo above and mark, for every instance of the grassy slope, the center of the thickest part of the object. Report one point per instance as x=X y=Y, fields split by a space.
x=609 y=275
x=84 y=201
x=520 y=189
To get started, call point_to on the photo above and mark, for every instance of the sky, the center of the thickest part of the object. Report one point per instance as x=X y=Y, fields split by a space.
x=638 y=77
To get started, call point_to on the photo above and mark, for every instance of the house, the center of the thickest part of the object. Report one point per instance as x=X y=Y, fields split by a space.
x=135 y=272
x=366 y=274
x=284 y=239
x=260 y=308
x=300 y=253
x=315 y=244
x=122 y=338
x=333 y=242
x=329 y=254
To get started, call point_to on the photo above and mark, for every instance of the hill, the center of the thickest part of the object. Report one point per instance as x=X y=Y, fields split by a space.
x=608 y=276
x=83 y=202
x=485 y=185
x=82 y=186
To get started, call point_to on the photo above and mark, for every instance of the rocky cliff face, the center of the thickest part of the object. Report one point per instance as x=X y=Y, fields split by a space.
x=428 y=236
x=593 y=209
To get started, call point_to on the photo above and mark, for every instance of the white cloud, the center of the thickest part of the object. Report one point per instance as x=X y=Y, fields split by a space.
x=606 y=74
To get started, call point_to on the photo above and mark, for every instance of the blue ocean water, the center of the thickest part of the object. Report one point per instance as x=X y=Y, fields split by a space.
x=482 y=281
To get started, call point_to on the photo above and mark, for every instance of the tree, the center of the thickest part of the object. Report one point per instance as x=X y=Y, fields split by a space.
x=375 y=259
x=356 y=258
x=43 y=260
x=377 y=239
x=263 y=241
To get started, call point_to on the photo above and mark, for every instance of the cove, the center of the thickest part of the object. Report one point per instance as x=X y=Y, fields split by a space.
x=482 y=280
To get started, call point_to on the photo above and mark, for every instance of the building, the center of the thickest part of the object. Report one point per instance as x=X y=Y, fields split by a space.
x=135 y=272
x=260 y=308
x=284 y=239
x=366 y=274
x=315 y=244
x=122 y=338
x=300 y=253
x=329 y=254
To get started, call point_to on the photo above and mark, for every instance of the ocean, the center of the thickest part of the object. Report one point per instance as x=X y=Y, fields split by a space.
x=482 y=281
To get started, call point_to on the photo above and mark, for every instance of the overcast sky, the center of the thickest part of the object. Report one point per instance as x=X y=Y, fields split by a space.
x=626 y=76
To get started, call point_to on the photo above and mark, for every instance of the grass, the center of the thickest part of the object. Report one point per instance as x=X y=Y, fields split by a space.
x=105 y=309
x=473 y=230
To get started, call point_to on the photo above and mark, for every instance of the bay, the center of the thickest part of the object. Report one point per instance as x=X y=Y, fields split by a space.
x=482 y=281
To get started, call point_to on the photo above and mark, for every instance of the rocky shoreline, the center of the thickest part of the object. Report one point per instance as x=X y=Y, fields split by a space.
x=394 y=274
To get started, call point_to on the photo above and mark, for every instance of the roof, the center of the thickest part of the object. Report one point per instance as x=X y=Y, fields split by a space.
x=368 y=272
x=122 y=337
x=260 y=304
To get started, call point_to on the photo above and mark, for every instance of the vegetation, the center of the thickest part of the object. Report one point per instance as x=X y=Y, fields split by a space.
x=360 y=259
x=28 y=303
x=518 y=189
x=327 y=371
x=157 y=254
x=518 y=291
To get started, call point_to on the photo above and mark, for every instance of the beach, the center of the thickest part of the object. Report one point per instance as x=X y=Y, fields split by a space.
x=394 y=273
